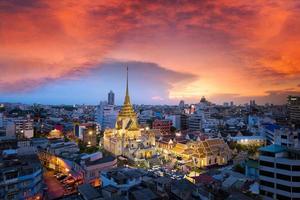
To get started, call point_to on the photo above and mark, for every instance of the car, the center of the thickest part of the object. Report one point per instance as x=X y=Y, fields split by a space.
x=62 y=177
x=68 y=180
x=69 y=188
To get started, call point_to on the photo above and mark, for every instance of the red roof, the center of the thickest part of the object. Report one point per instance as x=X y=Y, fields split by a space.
x=203 y=178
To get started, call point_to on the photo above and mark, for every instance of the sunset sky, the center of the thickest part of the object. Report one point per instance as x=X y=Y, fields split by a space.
x=75 y=51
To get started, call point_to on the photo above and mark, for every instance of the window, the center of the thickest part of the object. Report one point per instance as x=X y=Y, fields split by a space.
x=11 y=175
x=283 y=187
x=281 y=197
x=269 y=154
x=262 y=192
x=284 y=137
x=283 y=166
x=296 y=189
x=283 y=177
x=267 y=183
x=296 y=168
x=266 y=163
x=12 y=186
x=296 y=178
x=265 y=173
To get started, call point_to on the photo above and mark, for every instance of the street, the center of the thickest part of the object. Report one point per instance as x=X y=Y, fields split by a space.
x=55 y=188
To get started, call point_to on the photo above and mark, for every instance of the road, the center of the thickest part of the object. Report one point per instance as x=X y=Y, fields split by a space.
x=55 y=189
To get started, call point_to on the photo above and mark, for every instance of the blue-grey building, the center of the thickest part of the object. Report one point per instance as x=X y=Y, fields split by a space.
x=20 y=176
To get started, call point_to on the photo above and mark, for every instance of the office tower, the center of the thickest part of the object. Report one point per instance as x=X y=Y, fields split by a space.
x=111 y=98
x=106 y=115
x=252 y=103
x=293 y=104
x=181 y=104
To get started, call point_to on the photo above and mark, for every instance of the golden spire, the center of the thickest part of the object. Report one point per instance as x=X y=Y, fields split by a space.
x=127 y=98
x=127 y=109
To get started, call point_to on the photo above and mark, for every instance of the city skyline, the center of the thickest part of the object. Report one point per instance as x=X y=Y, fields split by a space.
x=223 y=50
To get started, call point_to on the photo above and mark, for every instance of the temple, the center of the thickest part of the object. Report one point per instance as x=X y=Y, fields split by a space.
x=127 y=139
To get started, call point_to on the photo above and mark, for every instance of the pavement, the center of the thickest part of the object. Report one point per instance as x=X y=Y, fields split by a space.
x=55 y=188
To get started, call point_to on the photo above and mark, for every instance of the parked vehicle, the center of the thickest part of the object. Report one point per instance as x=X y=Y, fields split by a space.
x=62 y=177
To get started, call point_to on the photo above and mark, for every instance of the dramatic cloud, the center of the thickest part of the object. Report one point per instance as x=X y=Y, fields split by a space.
x=236 y=47
x=148 y=83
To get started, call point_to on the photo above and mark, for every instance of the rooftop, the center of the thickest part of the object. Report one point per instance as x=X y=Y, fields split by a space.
x=88 y=192
x=273 y=148
x=100 y=161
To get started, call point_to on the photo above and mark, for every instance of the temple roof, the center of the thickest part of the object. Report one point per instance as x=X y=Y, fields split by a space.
x=127 y=110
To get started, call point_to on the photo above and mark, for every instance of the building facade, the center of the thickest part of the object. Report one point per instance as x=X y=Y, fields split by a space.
x=20 y=176
x=111 y=98
x=164 y=125
x=279 y=172
x=293 y=104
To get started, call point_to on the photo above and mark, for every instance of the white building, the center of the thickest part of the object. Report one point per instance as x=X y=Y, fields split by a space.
x=122 y=178
x=106 y=115
x=23 y=127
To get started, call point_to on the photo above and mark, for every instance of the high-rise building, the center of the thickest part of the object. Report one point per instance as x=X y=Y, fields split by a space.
x=181 y=104
x=111 y=98
x=279 y=167
x=106 y=115
x=279 y=172
x=293 y=104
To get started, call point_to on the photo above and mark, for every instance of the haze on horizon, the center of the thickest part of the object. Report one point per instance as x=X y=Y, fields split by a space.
x=67 y=52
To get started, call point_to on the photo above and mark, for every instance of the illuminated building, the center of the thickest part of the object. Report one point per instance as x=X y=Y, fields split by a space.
x=249 y=140
x=55 y=134
x=90 y=132
x=199 y=153
x=65 y=158
x=127 y=138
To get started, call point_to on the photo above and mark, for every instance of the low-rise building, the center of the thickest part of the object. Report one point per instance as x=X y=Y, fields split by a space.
x=249 y=140
x=122 y=178
x=20 y=176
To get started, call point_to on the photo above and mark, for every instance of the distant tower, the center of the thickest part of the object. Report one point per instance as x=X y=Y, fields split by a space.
x=111 y=98
x=181 y=104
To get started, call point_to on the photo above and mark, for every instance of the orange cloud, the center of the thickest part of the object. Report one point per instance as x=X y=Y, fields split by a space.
x=240 y=47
